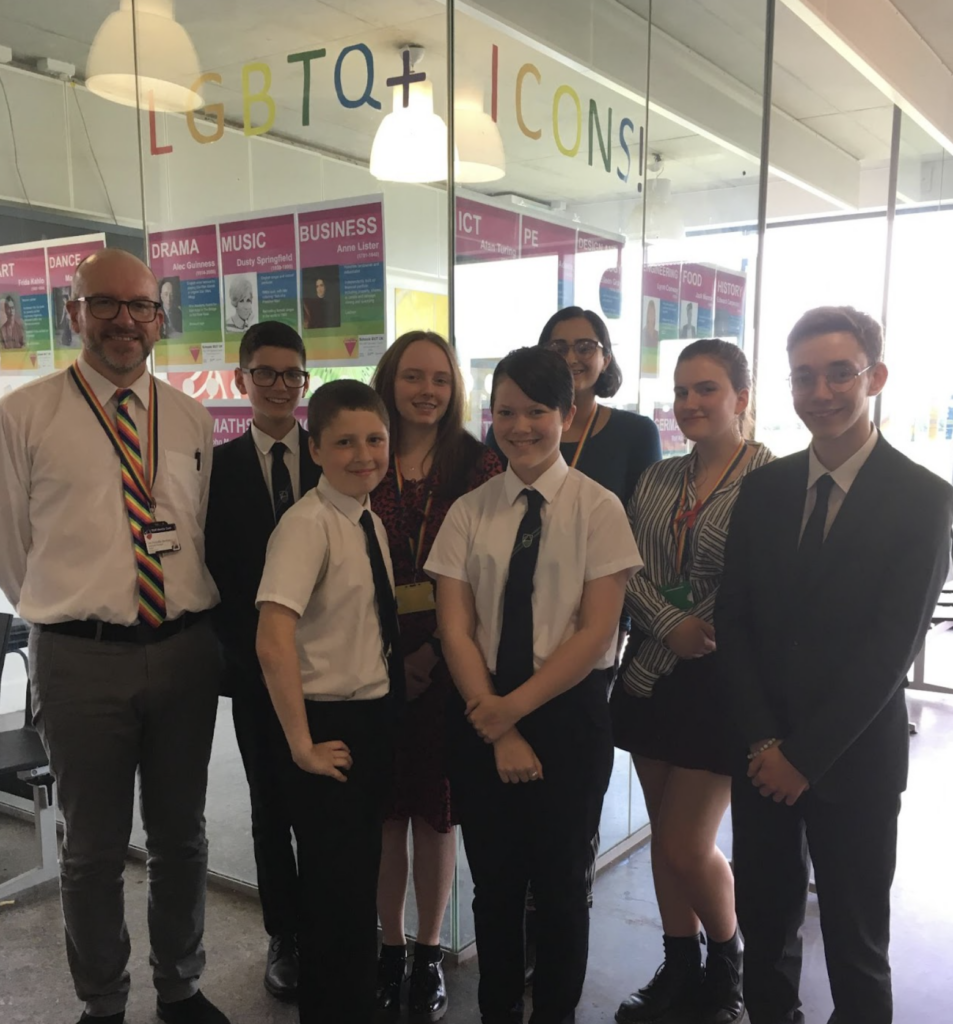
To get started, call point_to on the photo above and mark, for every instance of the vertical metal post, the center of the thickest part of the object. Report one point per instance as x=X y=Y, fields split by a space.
x=891 y=217
x=769 y=28
x=451 y=184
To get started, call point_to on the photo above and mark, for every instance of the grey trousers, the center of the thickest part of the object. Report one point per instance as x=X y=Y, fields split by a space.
x=106 y=711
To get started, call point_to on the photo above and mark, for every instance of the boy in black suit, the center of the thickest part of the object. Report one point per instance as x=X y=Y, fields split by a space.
x=255 y=479
x=835 y=559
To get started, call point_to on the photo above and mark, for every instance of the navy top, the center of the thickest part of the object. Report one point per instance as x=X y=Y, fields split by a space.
x=615 y=457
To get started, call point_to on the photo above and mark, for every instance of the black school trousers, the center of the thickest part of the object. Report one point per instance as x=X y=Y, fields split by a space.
x=537 y=833
x=853 y=846
x=338 y=831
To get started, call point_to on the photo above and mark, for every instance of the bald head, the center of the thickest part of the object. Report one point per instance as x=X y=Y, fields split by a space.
x=103 y=264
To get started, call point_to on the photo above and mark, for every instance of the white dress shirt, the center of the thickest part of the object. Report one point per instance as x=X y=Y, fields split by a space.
x=66 y=547
x=291 y=441
x=318 y=566
x=843 y=477
x=585 y=536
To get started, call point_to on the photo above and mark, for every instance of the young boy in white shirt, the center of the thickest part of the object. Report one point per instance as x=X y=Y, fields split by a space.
x=327 y=643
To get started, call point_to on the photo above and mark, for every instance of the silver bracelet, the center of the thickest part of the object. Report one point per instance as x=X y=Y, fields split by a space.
x=765 y=746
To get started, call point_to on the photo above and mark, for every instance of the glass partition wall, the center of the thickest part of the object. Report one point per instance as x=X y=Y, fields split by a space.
x=358 y=170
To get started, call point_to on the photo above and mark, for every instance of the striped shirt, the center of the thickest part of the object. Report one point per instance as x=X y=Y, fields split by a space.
x=651 y=511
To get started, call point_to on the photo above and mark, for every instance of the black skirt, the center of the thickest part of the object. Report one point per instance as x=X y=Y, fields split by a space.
x=686 y=722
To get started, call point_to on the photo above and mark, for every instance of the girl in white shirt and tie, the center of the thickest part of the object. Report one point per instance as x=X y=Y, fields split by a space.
x=531 y=571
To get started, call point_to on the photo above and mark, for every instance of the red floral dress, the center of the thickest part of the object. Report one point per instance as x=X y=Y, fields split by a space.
x=420 y=786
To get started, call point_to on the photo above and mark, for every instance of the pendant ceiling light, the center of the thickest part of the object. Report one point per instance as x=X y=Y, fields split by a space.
x=663 y=220
x=411 y=142
x=479 y=145
x=167 y=62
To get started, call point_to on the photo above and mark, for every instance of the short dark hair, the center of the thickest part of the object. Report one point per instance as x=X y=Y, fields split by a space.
x=833 y=319
x=540 y=374
x=338 y=395
x=610 y=380
x=272 y=334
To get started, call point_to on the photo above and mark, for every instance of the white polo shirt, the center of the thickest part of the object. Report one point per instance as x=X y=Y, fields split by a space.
x=318 y=566
x=585 y=536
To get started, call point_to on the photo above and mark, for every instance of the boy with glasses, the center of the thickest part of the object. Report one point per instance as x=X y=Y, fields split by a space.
x=256 y=478
x=835 y=559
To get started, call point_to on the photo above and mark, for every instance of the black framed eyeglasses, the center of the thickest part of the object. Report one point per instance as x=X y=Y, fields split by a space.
x=265 y=376
x=583 y=348
x=840 y=379
x=104 y=307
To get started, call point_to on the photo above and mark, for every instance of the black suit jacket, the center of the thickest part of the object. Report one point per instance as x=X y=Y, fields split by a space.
x=240 y=521
x=823 y=669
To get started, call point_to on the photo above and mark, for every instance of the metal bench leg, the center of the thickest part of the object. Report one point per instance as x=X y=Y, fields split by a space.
x=44 y=817
x=920 y=667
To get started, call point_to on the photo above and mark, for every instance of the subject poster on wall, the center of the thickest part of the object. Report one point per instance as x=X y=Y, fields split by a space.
x=660 y=284
x=186 y=266
x=24 y=310
x=696 y=301
x=61 y=263
x=259 y=275
x=343 y=309
x=730 y=305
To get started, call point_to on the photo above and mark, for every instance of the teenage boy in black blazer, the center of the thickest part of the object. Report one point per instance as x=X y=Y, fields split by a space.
x=835 y=559
x=254 y=481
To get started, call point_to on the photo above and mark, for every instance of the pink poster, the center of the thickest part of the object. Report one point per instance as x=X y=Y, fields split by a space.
x=186 y=265
x=341 y=251
x=485 y=233
x=673 y=440
x=696 y=300
x=24 y=311
x=232 y=419
x=259 y=276
x=600 y=259
x=659 y=312
x=730 y=305
x=61 y=262
x=540 y=238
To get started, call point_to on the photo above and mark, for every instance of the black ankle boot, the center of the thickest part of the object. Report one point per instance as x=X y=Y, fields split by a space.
x=720 y=999
x=427 y=998
x=391 y=968
x=672 y=995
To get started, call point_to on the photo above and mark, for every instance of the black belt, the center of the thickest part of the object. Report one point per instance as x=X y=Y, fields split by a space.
x=109 y=632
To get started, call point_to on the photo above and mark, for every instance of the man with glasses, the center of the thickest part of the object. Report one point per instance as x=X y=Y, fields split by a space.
x=835 y=559
x=255 y=479
x=104 y=475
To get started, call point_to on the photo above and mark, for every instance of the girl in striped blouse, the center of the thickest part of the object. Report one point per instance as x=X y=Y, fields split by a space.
x=668 y=708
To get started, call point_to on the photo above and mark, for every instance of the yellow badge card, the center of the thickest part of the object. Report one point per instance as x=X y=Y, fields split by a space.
x=415 y=597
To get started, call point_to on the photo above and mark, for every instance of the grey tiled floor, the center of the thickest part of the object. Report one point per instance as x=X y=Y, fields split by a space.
x=626 y=934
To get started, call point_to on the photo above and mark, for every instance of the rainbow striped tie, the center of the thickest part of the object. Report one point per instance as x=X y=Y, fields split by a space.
x=151 y=584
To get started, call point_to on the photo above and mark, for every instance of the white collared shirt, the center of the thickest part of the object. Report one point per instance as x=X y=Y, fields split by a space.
x=843 y=477
x=585 y=536
x=291 y=441
x=318 y=566
x=65 y=545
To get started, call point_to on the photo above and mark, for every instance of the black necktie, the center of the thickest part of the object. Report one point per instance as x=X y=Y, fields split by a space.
x=514 y=660
x=386 y=609
x=281 y=493
x=812 y=540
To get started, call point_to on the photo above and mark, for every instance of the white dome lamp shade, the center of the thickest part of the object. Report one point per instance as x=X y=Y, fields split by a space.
x=168 y=65
x=479 y=145
x=411 y=142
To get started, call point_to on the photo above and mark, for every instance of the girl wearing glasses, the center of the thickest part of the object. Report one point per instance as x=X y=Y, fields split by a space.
x=668 y=707
x=434 y=461
x=612 y=446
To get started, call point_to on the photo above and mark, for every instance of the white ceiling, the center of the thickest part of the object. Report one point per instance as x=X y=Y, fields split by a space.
x=720 y=39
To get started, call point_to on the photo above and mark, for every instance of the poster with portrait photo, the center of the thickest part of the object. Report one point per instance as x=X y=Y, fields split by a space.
x=320 y=297
x=241 y=302
x=63 y=334
x=170 y=294
x=12 y=330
